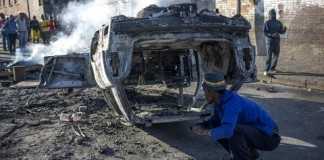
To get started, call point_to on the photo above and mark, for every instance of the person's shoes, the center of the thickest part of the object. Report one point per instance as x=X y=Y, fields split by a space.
x=274 y=71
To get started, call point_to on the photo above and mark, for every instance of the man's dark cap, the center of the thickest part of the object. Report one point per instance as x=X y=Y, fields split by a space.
x=215 y=81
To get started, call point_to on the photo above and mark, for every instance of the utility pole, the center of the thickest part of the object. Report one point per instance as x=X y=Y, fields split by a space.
x=28 y=8
x=238 y=7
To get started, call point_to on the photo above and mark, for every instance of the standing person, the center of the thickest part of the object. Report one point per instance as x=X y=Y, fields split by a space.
x=4 y=32
x=51 y=26
x=35 y=30
x=240 y=125
x=272 y=30
x=45 y=29
x=11 y=28
x=22 y=27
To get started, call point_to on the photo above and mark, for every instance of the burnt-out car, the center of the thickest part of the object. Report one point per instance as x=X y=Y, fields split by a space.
x=151 y=67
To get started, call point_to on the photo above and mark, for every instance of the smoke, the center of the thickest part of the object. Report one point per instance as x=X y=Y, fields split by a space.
x=84 y=19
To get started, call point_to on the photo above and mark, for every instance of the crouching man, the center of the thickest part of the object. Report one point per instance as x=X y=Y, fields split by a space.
x=240 y=125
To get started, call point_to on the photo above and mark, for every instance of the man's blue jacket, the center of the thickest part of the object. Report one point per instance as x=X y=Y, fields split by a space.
x=235 y=110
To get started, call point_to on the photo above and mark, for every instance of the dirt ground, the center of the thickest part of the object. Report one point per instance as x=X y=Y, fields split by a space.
x=35 y=131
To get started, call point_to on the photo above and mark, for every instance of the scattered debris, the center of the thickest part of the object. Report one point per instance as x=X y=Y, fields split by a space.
x=73 y=118
x=107 y=151
x=77 y=117
x=39 y=122
x=11 y=130
x=83 y=109
x=65 y=117
x=65 y=92
x=26 y=85
x=77 y=130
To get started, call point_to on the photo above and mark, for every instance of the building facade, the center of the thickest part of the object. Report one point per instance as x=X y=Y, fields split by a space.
x=13 y=7
x=302 y=48
x=33 y=7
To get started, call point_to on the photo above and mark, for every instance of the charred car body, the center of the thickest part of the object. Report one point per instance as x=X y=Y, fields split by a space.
x=151 y=68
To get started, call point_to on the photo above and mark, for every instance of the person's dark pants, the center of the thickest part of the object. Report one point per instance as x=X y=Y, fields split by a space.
x=246 y=140
x=12 y=42
x=273 y=51
x=45 y=37
x=23 y=39
x=4 y=41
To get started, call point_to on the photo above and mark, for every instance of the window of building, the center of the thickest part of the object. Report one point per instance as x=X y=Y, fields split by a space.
x=9 y=2
x=40 y=2
x=15 y=1
x=4 y=2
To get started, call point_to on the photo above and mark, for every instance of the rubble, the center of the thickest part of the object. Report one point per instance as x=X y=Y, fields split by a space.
x=12 y=73
x=41 y=134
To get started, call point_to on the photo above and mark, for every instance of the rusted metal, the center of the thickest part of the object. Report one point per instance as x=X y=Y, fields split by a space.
x=18 y=73
x=151 y=68
x=238 y=7
x=69 y=71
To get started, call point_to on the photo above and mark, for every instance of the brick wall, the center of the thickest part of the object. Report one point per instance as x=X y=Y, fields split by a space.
x=37 y=7
x=21 y=6
x=302 y=46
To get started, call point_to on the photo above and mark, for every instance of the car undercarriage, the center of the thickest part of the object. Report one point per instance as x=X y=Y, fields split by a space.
x=151 y=68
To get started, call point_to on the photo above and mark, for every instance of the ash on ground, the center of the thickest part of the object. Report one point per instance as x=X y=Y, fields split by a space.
x=36 y=132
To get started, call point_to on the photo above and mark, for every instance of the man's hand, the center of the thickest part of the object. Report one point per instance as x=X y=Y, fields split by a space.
x=197 y=129
x=275 y=35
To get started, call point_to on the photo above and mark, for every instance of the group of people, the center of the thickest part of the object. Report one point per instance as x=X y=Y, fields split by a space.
x=23 y=29
x=239 y=124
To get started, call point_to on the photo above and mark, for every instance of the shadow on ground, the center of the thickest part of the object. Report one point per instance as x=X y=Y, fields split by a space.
x=301 y=124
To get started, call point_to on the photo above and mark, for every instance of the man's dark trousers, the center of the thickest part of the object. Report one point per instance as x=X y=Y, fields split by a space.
x=273 y=51
x=246 y=140
x=4 y=40
x=12 y=42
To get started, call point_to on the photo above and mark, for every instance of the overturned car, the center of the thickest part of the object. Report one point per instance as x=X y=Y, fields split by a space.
x=151 y=68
